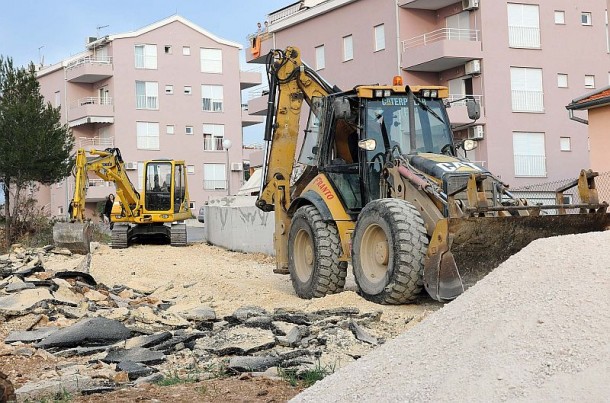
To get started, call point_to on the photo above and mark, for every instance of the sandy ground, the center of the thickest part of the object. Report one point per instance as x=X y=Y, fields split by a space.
x=536 y=329
x=200 y=274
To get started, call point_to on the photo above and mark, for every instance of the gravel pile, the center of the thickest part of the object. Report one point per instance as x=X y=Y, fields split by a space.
x=536 y=329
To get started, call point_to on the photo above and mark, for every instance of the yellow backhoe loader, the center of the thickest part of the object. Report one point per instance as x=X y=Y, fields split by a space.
x=158 y=211
x=380 y=182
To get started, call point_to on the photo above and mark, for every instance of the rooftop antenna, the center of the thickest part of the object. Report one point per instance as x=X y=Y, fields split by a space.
x=40 y=56
x=97 y=35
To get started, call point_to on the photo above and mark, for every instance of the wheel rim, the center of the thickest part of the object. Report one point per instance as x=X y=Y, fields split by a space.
x=374 y=253
x=303 y=255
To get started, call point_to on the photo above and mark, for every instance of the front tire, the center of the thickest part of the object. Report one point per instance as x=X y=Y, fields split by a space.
x=388 y=251
x=314 y=249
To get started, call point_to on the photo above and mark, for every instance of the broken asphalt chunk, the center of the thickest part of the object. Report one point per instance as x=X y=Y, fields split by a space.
x=92 y=331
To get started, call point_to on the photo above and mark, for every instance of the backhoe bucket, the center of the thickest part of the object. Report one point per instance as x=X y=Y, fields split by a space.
x=76 y=237
x=464 y=250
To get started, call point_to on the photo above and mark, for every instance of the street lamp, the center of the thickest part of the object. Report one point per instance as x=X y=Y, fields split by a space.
x=226 y=144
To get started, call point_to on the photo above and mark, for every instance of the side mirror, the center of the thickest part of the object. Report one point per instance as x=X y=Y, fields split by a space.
x=367 y=145
x=342 y=108
x=473 y=108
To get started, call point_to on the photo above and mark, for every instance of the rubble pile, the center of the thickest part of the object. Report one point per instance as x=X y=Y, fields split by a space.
x=100 y=338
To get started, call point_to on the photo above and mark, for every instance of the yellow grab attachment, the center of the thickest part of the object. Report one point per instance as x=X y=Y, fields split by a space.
x=76 y=237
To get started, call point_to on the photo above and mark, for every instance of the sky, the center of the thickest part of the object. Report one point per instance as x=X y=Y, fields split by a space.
x=55 y=30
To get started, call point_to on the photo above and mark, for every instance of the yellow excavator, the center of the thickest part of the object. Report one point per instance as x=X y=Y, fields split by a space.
x=381 y=182
x=158 y=211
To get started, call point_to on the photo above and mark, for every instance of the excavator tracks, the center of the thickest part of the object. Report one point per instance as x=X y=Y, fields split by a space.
x=120 y=238
x=178 y=236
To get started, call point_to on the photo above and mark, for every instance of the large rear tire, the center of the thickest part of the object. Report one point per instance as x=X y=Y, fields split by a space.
x=314 y=249
x=388 y=251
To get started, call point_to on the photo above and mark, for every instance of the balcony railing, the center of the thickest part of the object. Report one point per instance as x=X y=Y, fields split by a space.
x=460 y=99
x=213 y=144
x=443 y=34
x=523 y=37
x=530 y=165
x=527 y=101
x=89 y=60
x=215 y=184
x=91 y=101
x=258 y=92
x=285 y=12
x=146 y=102
x=95 y=142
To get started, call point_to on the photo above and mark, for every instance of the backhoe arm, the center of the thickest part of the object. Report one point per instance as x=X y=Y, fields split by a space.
x=108 y=165
x=290 y=83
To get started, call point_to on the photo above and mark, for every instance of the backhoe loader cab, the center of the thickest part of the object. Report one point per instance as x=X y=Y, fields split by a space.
x=383 y=187
x=158 y=210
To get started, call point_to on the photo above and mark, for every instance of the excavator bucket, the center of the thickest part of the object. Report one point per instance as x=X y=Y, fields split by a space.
x=76 y=237
x=464 y=250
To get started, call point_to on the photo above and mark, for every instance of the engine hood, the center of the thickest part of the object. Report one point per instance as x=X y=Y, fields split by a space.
x=438 y=165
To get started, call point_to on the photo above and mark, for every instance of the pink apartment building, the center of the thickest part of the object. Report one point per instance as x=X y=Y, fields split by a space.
x=522 y=60
x=168 y=90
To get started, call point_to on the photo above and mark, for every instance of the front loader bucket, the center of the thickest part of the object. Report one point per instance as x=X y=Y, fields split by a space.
x=76 y=237
x=464 y=250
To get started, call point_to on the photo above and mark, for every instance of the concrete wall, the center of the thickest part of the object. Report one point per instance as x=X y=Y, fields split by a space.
x=236 y=224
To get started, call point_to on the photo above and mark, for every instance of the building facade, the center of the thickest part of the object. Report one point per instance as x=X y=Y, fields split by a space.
x=522 y=60
x=169 y=90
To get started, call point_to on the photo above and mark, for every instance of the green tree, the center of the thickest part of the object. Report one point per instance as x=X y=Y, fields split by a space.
x=34 y=146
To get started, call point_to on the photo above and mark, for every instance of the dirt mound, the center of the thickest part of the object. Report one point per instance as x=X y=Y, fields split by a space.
x=535 y=329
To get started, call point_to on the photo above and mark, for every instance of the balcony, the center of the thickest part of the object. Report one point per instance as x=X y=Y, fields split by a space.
x=90 y=110
x=99 y=143
x=249 y=79
x=530 y=166
x=257 y=101
x=457 y=111
x=89 y=69
x=426 y=4
x=247 y=119
x=441 y=49
x=98 y=190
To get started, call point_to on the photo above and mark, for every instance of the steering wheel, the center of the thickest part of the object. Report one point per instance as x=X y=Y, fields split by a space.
x=381 y=160
x=446 y=148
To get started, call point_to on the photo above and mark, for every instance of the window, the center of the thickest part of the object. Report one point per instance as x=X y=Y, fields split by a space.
x=560 y=17
x=348 y=48
x=57 y=99
x=529 y=155
x=213 y=135
x=214 y=176
x=523 y=26
x=188 y=130
x=190 y=169
x=562 y=80
x=168 y=49
x=169 y=129
x=589 y=81
x=585 y=18
x=147 y=135
x=211 y=60
x=147 y=94
x=186 y=50
x=565 y=144
x=320 y=60
x=526 y=89
x=169 y=89
x=211 y=97
x=458 y=27
x=188 y=90
x=379 y=37
x=146 y=56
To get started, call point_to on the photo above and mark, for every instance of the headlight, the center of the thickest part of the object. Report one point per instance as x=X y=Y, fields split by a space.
x=387 y=93
x=434 y=93
x=425 y=93
x=378 y=93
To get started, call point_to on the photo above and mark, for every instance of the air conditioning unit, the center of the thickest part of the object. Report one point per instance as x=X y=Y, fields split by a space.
x=90 y=39
x=470 y=5
x=473 y=67
x=131 y=166
x=475 y=132
x=237 y=166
